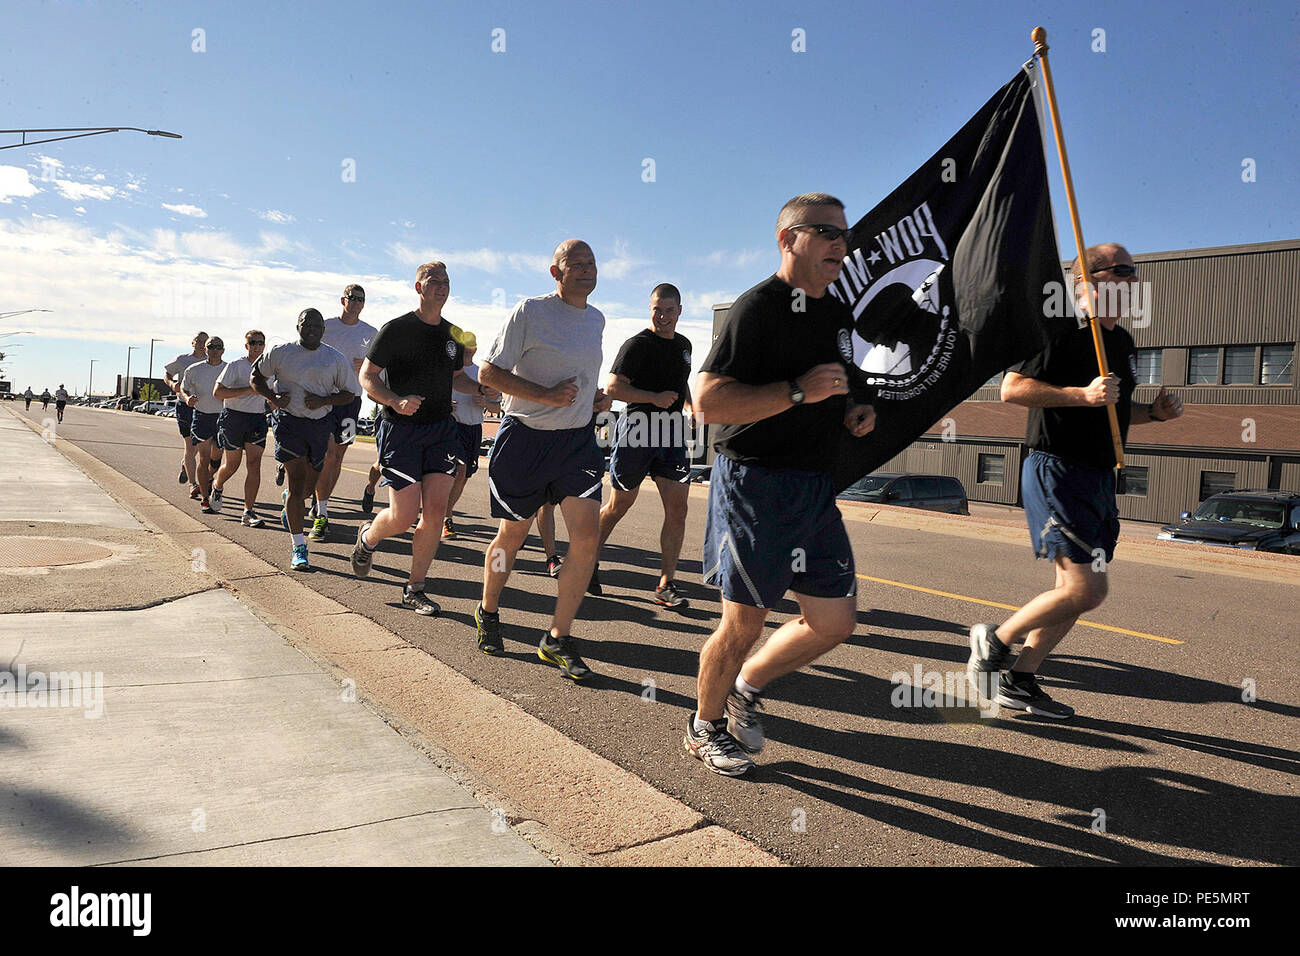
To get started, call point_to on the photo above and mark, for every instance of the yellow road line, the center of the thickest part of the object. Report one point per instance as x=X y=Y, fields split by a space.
x=1012 y=607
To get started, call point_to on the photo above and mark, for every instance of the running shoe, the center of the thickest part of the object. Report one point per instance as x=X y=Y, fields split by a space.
x=195 y=493
x=987 y=653
x=279 y=475
x=205 y=505
x=489 y=630
x=742 y=721
x=669 y=596
x=419 y=602
x=563 y=653
x=299 y=560
x=448 y=529
x=183 y=478
x=593 y=586
x=362 y=557
x=717 y=748
x=553 y=565
x=368 y=501
x=216 y=500
x=1021 y=692
x=251 y=520
x=320 y=530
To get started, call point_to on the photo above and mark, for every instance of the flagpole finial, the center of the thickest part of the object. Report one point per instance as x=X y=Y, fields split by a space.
x=1039 y=36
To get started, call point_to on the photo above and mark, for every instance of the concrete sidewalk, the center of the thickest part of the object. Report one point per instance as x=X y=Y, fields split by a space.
x=155 y=719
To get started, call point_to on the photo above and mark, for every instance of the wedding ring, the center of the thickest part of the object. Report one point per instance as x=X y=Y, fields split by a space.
x=835 y=381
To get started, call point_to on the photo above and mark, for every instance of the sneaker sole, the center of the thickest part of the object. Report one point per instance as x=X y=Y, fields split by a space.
x=738 y=772
x=681 y=603
x=1028 y=708
x=564 y=669
x=361 y=570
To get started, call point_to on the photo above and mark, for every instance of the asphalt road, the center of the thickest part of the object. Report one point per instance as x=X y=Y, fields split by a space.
x=1165 y=762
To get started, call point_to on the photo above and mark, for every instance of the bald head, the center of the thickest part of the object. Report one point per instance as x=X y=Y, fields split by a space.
x=563 y=250
x=573 y=267
x=1100 y=255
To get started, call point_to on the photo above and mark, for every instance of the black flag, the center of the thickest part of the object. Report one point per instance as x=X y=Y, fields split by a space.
x=954 y=277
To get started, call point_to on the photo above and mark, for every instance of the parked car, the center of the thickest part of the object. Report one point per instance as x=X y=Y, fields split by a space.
x=700 y=473
x=928 y=492
x=1249 y=520
x=365 y=426
x=168 y=412
x=485 y=446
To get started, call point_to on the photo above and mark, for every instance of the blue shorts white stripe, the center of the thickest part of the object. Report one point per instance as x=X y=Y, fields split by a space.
x=235 y=429
x=1070 y=508
x=530 y=467
x=301 y=438
x=409 y=450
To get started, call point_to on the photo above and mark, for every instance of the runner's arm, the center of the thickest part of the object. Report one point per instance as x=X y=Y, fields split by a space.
x=511 y=384
x=1020 y=389
x=619 y=388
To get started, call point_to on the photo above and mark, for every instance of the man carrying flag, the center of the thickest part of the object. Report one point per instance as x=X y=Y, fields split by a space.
x=1068 y=481
x=777 y=381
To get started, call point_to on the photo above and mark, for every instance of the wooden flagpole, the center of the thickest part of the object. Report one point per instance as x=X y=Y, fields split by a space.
x=1039 y=36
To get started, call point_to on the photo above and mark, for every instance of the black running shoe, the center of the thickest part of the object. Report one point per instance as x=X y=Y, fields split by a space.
x=553 y=566
x=1021 y=692
x=593 y=586
x=987 y=653
x=489 y=630
x=183 y=478
x=279 y=475
x=563 y=653
x=717 y=748
x=419 y=602
x=368 y=501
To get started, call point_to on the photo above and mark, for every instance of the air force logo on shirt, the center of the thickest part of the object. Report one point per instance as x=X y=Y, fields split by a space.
x=451 y=350
x=686 y=357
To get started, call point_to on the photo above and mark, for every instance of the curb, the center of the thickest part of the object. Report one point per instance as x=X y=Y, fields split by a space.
x=573 y=805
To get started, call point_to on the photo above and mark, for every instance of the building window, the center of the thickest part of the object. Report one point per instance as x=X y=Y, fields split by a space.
x=992 y=469
x=1203 y=367
x=1239 y=365
x=1135 y=480
x=1213 y=482
x=1150 y=362
x=1278 y=367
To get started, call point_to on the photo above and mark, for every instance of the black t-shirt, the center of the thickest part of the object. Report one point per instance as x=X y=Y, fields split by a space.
x=655 y=364
x=764 y=340
x=1076 y=433
x=420 y=359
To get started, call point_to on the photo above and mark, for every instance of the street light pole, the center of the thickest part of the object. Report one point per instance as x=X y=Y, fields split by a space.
x=90 y=386
x=79 y=132
x=127 y=383
x=151 y=342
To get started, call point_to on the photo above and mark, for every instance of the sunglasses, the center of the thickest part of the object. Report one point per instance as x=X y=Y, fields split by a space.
x=826 y=232
x=257 y=341
x=216 y=348
x=1123 y=270
x=355 y=298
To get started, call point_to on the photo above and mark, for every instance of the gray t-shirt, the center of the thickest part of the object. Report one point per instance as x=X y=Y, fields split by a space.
x=463 y=406
x=199 y=380
x=301 y=372
x=178 y=365
x=352 y=340
x=236 y=375
x=546 y=341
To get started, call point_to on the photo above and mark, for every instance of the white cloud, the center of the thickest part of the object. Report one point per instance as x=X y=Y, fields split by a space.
x=622 y=263
x=485 y=260
x=79 y=191
x=16 y=182
x=79 y=210
x=48 y=162
x=276 y=216
x=185 y=209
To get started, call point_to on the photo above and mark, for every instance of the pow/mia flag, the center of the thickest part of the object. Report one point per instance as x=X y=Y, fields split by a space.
x=954 y=277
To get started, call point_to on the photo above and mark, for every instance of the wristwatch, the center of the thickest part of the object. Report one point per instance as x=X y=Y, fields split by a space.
x=796 y=393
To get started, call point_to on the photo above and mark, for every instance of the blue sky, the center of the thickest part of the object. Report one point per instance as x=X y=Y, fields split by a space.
x=488 y=159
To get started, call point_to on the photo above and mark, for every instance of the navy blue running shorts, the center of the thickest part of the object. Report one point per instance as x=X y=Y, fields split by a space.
x=410 y=450
x=1070 y=508
x=343 y=421
x=771 y=530
x=184 y=418
x=203 y=427
x=471 y=439
x=301 y=438
x=236 y=429
x=629 y=465
x=530 y=467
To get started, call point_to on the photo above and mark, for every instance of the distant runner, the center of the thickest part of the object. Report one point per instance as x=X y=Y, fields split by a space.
x=198 y=383
x=60 y=401
x=241 y=428
x=184 y=414
x=468 y=411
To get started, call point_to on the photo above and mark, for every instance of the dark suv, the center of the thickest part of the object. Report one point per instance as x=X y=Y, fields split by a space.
x=930 y=492
x=1250 y=520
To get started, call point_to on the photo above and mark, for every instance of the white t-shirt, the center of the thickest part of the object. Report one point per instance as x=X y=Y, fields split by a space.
x=61 y=395
x=178 y=365
x=546 y=341
x=464 y=408
x=236 y=375
x=199 y=380
x=353 y=341
x=300 y=371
